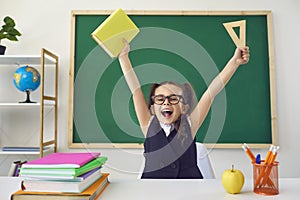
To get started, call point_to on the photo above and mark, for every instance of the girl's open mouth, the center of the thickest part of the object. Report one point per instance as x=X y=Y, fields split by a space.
x=166 y=113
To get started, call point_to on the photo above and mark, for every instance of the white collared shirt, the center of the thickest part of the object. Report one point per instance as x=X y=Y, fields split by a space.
x=168 y=128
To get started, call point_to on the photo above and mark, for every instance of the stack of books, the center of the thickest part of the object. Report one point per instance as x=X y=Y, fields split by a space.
x=63 y=176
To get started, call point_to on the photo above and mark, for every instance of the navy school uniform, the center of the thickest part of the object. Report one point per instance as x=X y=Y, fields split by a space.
x=168 y=157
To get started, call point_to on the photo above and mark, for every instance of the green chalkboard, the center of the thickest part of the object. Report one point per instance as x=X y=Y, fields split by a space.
x=178 y=46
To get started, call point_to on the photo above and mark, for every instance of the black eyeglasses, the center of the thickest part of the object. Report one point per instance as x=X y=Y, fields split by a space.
x=173 y=99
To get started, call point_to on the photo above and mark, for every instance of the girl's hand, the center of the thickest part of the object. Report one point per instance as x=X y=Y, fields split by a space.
x=241 y=55
x=125 y=49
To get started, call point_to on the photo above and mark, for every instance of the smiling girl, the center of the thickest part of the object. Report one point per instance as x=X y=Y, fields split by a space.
x=170 y=120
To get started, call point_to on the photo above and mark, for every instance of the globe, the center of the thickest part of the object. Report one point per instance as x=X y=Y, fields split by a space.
x=26 y=79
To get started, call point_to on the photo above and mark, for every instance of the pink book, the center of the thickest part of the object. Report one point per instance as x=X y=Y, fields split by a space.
x=62 y=160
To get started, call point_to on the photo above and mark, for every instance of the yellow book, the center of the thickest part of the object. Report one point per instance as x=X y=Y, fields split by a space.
x=110 y=33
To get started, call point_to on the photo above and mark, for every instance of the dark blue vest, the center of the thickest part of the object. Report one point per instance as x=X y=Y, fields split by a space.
x=169 y=157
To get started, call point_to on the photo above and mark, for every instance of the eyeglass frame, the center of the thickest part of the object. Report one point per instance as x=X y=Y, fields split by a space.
x=180 y=97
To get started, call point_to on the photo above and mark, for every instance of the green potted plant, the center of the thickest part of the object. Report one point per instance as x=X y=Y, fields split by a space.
x=9 y=32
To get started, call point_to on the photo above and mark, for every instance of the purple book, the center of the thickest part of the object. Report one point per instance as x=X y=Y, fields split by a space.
x=18 y=166
x=62 y=160
x=84 y=176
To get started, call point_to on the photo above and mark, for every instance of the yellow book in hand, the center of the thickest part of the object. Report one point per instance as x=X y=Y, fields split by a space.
x=110 y=33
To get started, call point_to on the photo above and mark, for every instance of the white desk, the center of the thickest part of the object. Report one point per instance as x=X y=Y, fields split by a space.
x=8 y=185
x=191 y=189
x=172 y=189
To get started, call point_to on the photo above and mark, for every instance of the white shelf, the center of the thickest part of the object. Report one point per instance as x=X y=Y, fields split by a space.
x=23 y=152
x=24 y=105
x=19 y=152
x=11 y=103
x=23 y=60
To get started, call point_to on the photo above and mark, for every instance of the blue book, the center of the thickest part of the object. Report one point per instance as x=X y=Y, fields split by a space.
x=23 y=148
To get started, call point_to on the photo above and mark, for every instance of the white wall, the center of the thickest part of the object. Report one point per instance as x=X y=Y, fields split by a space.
x=47 y=24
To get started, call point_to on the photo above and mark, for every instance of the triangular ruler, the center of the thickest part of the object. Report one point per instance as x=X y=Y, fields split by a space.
x=241 y=40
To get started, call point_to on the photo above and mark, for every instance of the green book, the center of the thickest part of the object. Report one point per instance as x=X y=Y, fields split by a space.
x=68 y=172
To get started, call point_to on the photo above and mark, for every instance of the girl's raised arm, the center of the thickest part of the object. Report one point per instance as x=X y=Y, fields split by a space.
x=241 y=56
x=140 y=105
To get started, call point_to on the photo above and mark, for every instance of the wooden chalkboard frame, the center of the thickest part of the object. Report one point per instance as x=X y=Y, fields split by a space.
x=272 y=105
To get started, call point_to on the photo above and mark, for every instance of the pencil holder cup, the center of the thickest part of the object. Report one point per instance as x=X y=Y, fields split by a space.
x=265 y=178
